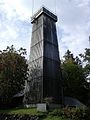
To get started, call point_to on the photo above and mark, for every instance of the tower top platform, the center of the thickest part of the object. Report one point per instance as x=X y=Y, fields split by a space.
x=45 y=11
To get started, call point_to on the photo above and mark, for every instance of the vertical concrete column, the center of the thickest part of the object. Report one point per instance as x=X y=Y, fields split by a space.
x=44 y=63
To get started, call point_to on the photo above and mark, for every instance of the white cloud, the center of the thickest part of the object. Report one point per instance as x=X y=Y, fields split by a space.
x=73 y=24
x=15 y=27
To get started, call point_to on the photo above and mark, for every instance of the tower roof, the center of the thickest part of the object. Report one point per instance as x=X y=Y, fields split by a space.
x=43 y=10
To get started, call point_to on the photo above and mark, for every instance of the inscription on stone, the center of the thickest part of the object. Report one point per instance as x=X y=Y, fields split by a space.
x=42 y=107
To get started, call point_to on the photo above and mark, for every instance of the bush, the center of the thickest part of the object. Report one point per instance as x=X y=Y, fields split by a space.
x=56 y=112
x=72 y=113
x=77 y=113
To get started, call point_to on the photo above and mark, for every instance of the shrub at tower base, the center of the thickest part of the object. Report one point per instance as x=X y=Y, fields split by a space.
x=13 y=73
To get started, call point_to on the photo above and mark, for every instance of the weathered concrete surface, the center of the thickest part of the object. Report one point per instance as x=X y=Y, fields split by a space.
x=44 y=63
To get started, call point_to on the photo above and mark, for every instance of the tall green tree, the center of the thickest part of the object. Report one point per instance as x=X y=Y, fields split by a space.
x=73 y=77
x=13 y=72
x=86 y=62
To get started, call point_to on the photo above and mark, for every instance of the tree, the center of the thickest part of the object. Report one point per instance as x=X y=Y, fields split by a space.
x=86 y=62
x=73 y=76
x=13 y=72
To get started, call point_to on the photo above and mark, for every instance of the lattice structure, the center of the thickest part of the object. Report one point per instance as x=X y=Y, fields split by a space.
x=44 y=63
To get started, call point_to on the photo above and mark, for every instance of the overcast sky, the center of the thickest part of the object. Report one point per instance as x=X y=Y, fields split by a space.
x=73 y=26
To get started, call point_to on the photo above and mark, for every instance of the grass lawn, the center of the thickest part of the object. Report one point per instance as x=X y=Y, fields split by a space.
x=31 y=111
x=55 y=118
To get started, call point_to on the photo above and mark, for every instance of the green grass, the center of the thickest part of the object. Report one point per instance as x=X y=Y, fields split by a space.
x=31 y=111
x=55 y=118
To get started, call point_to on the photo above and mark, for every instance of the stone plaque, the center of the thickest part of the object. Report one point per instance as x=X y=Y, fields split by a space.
x=42 y=107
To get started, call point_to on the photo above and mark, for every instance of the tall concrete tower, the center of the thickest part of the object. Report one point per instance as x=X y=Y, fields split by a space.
x=44 y=61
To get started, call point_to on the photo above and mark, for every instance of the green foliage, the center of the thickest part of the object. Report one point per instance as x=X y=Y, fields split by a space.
x=77 y=113
x=56 y=114
x=86 y=59
x=68 y=57
x=13 y=72
x=73 y=77
x=86 y=62
x=24 y=111
x=72 y=113
x=86 y=55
